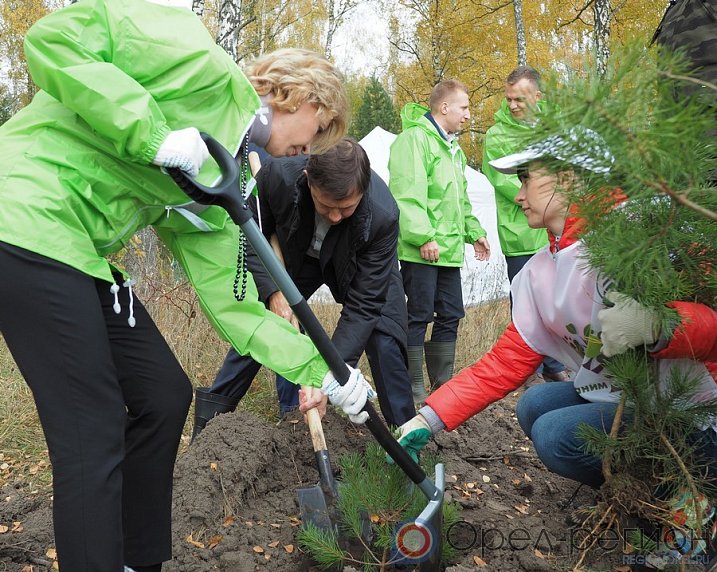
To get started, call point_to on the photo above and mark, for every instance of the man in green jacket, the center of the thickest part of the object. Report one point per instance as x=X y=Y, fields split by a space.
x=516 y=118
x=427 y=167
x=126 y=85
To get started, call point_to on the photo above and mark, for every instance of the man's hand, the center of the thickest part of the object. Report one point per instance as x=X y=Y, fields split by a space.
x=626 y=324
x=352 y=396
x=280 y=306
x=415 y=434
x=310 y=397
x=482 y=249
x=183 y=149
x=429 y=251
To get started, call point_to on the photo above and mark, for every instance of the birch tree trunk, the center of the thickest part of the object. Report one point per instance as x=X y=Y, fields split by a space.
x=336 y=11
x=198 y=7
x=229 y=23
x=602 y=15
x=520 y=32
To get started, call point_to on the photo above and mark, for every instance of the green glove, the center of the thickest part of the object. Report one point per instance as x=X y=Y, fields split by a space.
x=626 y=324
x=415 y=434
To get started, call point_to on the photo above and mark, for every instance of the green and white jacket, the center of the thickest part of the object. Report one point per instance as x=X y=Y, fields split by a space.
x=506 y=137
x=427 y=179
x=76 y=179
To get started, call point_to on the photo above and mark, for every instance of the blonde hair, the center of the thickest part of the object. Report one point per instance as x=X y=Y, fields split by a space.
x=294 y=76
x=442 y=90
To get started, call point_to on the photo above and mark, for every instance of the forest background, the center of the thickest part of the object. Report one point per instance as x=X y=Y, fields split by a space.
x=392 y=51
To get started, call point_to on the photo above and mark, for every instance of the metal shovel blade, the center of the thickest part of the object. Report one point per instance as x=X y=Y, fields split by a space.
x=313 y=507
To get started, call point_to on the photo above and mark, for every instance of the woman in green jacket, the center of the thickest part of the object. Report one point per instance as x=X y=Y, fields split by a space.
x=126 y=85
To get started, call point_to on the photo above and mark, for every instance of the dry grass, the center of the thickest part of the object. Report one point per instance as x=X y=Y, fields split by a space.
x=175 y=309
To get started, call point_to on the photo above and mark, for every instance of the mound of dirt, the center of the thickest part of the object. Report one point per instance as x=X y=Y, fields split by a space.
x=235 y=505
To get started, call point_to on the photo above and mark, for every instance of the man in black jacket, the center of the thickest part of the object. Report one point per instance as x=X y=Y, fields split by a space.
x=336 y=224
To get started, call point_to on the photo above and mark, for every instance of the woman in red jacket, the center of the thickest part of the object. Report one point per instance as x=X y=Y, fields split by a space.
x=560 y=311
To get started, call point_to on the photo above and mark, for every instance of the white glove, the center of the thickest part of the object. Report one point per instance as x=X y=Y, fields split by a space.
x=352 y=396
x=183 y=149
x=626 y=324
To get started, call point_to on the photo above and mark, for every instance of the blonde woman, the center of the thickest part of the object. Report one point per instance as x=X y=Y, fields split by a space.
x=126 y=86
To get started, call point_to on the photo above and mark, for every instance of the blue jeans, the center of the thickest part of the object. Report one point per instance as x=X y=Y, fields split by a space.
x=550 y=413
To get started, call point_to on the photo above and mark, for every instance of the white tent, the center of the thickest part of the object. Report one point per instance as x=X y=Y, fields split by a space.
x=481 y=280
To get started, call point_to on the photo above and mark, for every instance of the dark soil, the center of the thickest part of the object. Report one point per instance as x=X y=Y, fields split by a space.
x=235 y=505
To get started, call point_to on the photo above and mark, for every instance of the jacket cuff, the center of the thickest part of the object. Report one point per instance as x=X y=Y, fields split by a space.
x=431 y=417
x=157 y=138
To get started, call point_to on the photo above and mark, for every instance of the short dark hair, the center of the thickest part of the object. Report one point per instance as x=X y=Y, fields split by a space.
x=441 y=90
x=340 y=170
x=524 y=72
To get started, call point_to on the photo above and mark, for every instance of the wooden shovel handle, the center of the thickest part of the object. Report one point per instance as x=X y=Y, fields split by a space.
x=313 y=420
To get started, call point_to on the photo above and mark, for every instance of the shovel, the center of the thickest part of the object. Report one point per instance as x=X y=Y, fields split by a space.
x=227 y=194
x=312 y=500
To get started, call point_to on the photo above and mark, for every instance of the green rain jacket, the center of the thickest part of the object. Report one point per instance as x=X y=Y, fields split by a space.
x=428 y=182
x=504 y=138
x=75 y=175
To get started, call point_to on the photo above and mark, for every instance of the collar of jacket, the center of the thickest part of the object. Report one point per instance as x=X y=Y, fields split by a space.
x=572 y=229
x=359 y=223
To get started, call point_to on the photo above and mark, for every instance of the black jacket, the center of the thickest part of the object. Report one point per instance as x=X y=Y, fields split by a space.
x=358 y=258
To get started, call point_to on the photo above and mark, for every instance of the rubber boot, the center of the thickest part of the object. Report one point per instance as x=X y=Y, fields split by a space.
x=207 y=405
x=415 y=373
x=440 y=357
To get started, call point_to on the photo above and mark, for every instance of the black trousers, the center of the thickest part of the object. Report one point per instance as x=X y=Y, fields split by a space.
x=112 y=402
x=386 y=357
x=434 y=294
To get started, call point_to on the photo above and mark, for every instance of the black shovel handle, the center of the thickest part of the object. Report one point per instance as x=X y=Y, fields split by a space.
x=227 y=194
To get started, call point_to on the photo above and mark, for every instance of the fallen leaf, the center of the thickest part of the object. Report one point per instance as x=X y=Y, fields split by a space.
x=275 y=525
x=228 y=521
x=509 y=517
x=517 y=482
x=375 y=518
x=470 y=485
x=4 y=467
x=258 y=550
x=486 y=479
x=214 y=466
x=16 y=527
x=506 y=460
x=273 y=544
x=194 y=543
x=51 y=553
x=479 y=562
x=249 y=523
x=289 y=548
x=27 y=568
x=454 y=478
x=527 y=478
x=522 y=509
x=268 y=556
x=293 y=521
x=4 y=529
x=539 y=554
x=214 y=541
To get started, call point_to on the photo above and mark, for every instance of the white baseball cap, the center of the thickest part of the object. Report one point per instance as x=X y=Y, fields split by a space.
x=579 y=147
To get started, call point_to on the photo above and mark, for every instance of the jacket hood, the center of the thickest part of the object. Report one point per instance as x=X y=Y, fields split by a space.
x=414 y=115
